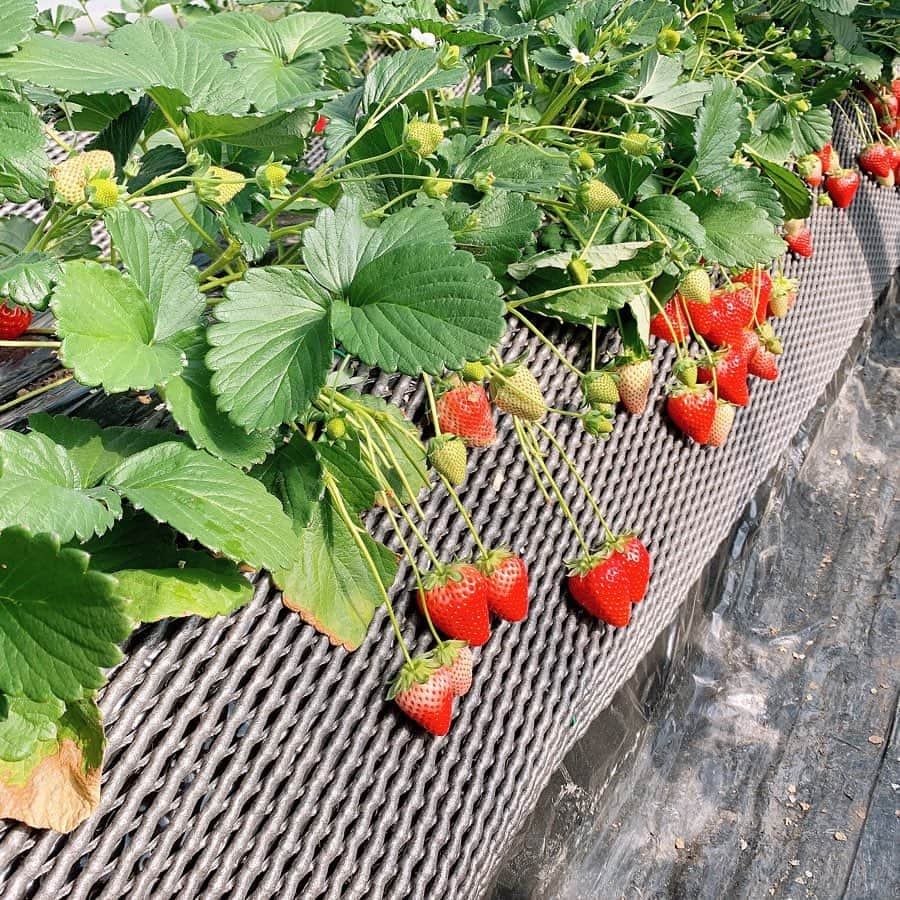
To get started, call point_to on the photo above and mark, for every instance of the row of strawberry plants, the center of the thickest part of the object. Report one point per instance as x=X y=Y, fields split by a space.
x=635 y=167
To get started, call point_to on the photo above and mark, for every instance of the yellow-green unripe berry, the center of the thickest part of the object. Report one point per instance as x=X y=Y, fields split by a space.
x=579 y=271
x=667 y=40
x=634 y=143
x=104 y=192
x=336 y=428
x=423 y=137
x=595 y=196
x=437 y=188
x=473 y=371
x=695 y=285
x=584 y=161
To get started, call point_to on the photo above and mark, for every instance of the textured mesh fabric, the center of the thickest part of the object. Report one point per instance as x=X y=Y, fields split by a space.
x=247 y=757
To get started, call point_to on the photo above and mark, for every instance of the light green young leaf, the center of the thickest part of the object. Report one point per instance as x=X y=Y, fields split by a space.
x=28 y=278
x=304 y=32
x=331 y=585
x=26 y=722
x=16 y=22
x=24 y=164
x=272 y=347
x=717 y=130
x=198 y=586
x=293 y=473
x=208 y=500
x=737 y=233
x=41 y=489
x=192 y=403
x=403 y=73
x=60 y=623
x=56 y=784
x=270 y=83
x=793 y=193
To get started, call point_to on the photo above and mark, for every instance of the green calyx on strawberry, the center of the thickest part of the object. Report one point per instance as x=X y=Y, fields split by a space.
x=599 y=387
x=455 y=658
x=599 y=422
x=634 y=378
x=507 y=584
x=515 y=390
x=695 y=286
x=685 y=370
x=692 y=410
x=595 y=196
x=272 y=177
x=423 y=137
x=447 y=455
x=455 y=597
x=579 y=270
x=423 y=691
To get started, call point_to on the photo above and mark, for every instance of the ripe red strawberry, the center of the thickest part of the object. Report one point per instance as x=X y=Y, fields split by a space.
x=637 y=564
x=603 y=586
x=671 y=324
x=800 y=241
x=760 y=283
x=465 y=410
x=320 y=125
x=455 y=658
x=692 y=410
x=729 y=311
x=829 y=158
x=895 y=88
x=748 y=344
x=809 y=168
x=507 y=584
x=14 y=321
x=730 y=367
x=764 y=364
x=877 y=159
x=635 y=379
x=456 y=600
x=722 y=422
x=423 y=692
x=784 y=294
x=842 y=187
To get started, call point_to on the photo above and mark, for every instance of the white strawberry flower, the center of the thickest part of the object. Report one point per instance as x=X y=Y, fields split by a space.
x=423 y=38
x=577 y=56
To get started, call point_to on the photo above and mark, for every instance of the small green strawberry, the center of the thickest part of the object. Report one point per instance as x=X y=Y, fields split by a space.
x=595 y=196
x=667 y=41
x=447 y=455
x=220 y=185
x=437 y=188
x=579 y=271
x=634 y=143
x=272 y=177
x=597 y=424
x=473 y=371
x=584 y=161
x=103 y=192
x=336 y=428
x=516 y=391
x=423 y=137
x=695 y=286
x=599 y=387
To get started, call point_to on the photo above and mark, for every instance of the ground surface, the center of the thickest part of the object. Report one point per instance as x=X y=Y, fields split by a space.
x=771 y=767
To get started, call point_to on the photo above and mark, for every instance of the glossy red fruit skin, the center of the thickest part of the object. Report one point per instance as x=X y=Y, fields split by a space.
x=760 y=282
x=429 y=704
x=748 y=344
x=14 y=321
x=459 y=608
x=693 y=413
x=637 y=564
x=764 y=364
x=731 y=377
x=466 y=411
x=673 y=326
x=507 y=589
x=605 y=591
x=727 y=314
x=321 y=124
x=842 y=187
x=801 y=242
x=877 y=159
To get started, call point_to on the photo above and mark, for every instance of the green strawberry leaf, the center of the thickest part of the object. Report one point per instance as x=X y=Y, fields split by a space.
x=192 y=403
x=737 y=232
x=209 y=501
x=403 y=73
x=28 y=278
x=675 y=219
x=356 y=483
x=197 y=586
x=136 y=541
x=517 y=167
x=55 y=782
x=742 y=183
x=841 y=7
x=793 y=193
x=26 y=722
x=293 y=473
x=95 y=450
x=60 y=623
x=24 y=164
x=272 y=347
x=16 y=22
x=812 y=130
x=331 y=585
x=270 y=83
x=41 y=489
x=717 y=130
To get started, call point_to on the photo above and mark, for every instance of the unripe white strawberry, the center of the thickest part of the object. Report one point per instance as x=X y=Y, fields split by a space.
x=70 y=178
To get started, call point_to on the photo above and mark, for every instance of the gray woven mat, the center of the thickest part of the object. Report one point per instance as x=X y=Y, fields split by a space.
x=249 y=758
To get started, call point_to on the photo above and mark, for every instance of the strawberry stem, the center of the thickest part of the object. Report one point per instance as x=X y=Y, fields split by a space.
x=534 y=472
x=35 y=393
x=432 y=404
x=545 y=340
x=50 y=344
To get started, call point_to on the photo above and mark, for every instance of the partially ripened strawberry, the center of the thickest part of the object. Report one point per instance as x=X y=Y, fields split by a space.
x=798 y=237
x=599 y=387
x=14 y=320
x=830 y=160
x=602 y=585
x=507 y=584
x=842 y=187
x=465 y=410
x=422 y=690
x=321 y=124
x=886 y=180
x=809 y=168
x=760 y=283
x=877 y=159
x=447 y=454
x=637 y=564
x=764 y=364
x=730 y=368
x=729 y=311
x=784 y=294
x=635 y=377
x=695 y=286
x=455 y=658
x=670 y=323
x=456 y=600
x=692 y=410
x=70 y=177
x=516 y=391
x=722 y=422
x=225 y=186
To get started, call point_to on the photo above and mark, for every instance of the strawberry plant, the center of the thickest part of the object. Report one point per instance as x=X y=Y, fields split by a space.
x=293 y=197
